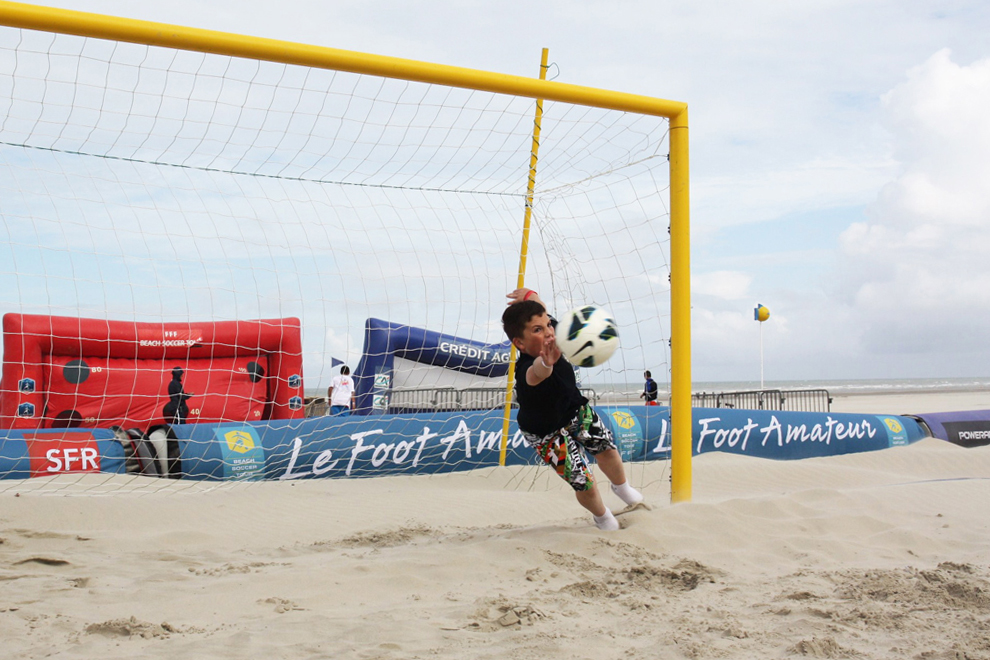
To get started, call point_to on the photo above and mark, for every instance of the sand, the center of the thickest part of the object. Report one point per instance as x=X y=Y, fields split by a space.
x=874 y=555
x=911 y=404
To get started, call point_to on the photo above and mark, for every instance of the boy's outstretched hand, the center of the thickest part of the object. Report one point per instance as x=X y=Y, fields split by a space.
x=551 y=352
x=522 y=294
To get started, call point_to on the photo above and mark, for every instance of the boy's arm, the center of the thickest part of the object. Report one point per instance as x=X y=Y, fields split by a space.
x=543 y=364
x=522 y=294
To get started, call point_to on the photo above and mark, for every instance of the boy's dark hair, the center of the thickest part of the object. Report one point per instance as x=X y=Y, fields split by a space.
x=517 y=315
x=345 y=370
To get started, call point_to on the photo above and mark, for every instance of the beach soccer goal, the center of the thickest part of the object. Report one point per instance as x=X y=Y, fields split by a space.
x=155 y=174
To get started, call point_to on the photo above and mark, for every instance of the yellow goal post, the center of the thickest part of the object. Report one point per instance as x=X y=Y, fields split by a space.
x=82 y=24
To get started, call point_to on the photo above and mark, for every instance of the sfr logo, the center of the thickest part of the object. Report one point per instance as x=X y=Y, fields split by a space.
x=62 y=453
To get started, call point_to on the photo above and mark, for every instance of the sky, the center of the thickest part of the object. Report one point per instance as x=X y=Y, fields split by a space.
x=840 y=154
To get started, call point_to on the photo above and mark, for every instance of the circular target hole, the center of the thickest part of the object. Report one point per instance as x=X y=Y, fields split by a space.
x=255 y=371
x=67 y=419
x=76 y=371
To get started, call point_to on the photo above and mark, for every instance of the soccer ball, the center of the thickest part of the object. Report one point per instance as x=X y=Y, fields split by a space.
x=587 y=336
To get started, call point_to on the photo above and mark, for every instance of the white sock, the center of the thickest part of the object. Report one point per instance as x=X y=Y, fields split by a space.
x=627 y=493
x=606 y=522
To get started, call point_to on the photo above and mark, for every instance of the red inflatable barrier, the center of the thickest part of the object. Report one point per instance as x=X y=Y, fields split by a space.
x=63 y=371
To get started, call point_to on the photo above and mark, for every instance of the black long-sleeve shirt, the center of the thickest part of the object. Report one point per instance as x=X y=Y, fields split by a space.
x=553 y=403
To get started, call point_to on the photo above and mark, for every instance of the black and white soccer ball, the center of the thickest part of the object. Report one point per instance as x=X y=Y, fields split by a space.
x=587 y=336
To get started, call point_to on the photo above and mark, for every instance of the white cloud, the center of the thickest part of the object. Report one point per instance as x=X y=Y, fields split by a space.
x=941 y=120
x=916 y=273
x=910 y=295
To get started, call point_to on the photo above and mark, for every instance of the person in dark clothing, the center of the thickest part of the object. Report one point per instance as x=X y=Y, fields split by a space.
x=176 y=410
x=554 y=417
x=649 y=390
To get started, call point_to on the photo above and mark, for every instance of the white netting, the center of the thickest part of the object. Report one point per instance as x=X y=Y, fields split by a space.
x=153 y=185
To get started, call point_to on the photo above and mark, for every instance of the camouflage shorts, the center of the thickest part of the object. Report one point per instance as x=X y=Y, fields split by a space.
x=563 y=450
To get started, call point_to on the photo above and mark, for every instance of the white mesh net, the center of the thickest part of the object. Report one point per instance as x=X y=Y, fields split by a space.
x=143 y=184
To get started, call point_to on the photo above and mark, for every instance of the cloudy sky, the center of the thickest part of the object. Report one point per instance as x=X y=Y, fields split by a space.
x=840 y=153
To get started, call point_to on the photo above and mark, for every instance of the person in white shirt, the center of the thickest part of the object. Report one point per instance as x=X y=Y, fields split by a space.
x=340 y=395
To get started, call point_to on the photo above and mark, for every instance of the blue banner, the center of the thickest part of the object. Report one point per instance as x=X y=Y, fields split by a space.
x=370 y=446
x=795 y=435
x=335 y=447
x=48 y=452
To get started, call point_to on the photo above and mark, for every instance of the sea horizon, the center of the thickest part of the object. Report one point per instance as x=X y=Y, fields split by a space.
x=834 y=386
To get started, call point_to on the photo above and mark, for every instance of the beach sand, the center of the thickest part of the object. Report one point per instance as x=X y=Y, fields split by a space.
x=911 y=404
x=873 y=555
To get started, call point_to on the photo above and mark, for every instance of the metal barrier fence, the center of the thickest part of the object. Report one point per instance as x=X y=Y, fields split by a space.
x=438 y=399
x=452 y=399
x=808 y=400
x=794 y=400
x=316 y=406
x=443 y=399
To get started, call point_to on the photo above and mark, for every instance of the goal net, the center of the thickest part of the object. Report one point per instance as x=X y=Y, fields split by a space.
x=378 y=219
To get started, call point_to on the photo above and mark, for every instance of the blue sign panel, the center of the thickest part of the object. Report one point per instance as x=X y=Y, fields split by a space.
x=791 y=435
x=627 y=432
x=369 y=446
x=243 y=455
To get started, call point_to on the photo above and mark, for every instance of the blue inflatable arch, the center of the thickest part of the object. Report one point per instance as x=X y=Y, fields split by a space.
x=384 y=343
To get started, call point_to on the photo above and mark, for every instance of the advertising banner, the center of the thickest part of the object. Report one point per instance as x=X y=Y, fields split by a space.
x=967 y=428
x=371 y=446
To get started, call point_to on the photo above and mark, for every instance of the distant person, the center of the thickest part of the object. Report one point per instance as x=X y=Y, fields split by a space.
x=649 y=390
x=176 y=411
x=340 y=395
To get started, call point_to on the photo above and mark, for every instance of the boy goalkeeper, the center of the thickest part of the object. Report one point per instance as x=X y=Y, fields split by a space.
x=554 y=416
